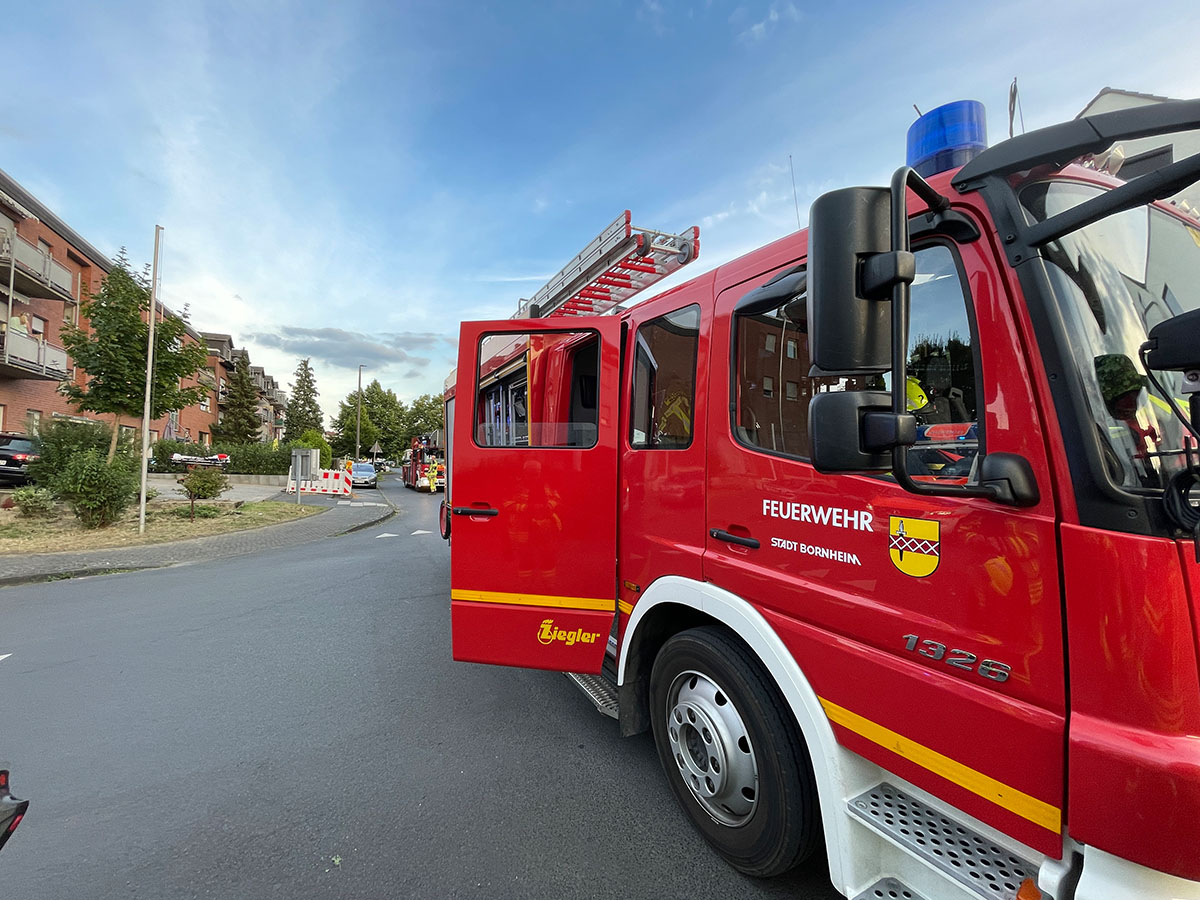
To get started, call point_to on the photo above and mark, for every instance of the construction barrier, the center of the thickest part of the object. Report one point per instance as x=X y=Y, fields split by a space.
x=329 y=481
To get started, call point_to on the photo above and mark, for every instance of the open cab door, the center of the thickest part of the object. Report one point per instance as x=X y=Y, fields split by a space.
x=533 y=561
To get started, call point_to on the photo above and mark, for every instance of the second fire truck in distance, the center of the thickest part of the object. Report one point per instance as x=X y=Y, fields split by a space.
x=423 y=466
x=885 y=529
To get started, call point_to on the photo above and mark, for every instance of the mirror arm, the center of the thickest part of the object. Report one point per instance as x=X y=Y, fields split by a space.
x=905 y=178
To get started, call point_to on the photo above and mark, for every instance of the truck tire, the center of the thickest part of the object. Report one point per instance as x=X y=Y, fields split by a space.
x=733 y=753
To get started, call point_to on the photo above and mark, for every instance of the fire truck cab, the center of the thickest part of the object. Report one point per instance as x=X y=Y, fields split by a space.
x=883 y=529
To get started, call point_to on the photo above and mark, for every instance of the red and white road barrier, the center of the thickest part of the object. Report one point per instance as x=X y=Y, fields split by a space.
x=330 y=481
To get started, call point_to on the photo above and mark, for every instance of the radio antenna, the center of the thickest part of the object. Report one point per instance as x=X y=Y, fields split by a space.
x=795 y=199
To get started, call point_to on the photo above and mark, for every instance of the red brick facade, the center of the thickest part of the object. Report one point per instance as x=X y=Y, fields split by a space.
x=40 y=254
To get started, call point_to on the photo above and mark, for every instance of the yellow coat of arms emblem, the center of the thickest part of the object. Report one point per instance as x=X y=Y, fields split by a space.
x=914 y=545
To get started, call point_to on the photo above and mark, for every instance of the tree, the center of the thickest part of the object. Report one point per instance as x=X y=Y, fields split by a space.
x=343 y=444
x=303 y=411
x=425 y=415
x=240 y=424
x=112 y=350
x=315 y=440
x=203 y=484
x=387 y=414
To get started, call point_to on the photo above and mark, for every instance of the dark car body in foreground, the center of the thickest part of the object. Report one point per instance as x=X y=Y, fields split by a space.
x=16 y=452
x=12 y=810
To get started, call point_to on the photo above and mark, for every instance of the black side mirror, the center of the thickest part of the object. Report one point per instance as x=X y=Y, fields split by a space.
x=1010 y=479
x=855 y=431
x=849 y=330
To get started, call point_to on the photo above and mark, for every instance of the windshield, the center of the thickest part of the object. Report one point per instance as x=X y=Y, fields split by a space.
x=363 y=469
x=1115 y=280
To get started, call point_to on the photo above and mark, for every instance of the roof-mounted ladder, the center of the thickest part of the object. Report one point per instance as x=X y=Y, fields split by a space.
x=617 y=264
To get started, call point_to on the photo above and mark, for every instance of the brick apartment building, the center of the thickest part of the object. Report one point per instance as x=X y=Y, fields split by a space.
x=272 y=401
x=46 y=268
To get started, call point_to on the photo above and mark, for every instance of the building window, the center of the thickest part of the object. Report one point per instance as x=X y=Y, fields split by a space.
x=2 y=411
x=37 y=327
x=205 y=439
x=770 y=343
x=791 y=349
x=768 y=388
x=664 y=381
x=33 y=418
x=792 y=390
x=204 y=404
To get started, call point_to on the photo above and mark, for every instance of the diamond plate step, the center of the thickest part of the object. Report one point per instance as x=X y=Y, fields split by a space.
x=889 y=889
x=949 y=846
x=600 y=691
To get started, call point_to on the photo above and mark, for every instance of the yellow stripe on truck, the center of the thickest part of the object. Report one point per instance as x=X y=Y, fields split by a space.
x=1018 y=802
x=533 y=599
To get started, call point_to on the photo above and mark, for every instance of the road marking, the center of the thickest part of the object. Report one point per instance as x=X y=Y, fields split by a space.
x=386 y=534
x=418 y=531
x=4 y=656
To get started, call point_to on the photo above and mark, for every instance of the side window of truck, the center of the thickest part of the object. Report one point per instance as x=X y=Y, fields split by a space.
x=773 y=385
x=537 y=390
x=664 y=381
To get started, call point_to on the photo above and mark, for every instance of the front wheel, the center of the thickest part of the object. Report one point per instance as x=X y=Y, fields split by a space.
x=733 y=753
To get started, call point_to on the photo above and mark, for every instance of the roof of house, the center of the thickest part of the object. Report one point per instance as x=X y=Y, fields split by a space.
x=1111 y=90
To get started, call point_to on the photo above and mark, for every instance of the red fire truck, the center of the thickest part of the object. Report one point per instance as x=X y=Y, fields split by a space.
x=725 y=510
x=423 y=467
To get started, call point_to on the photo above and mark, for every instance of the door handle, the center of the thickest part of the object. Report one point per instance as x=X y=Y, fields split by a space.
x=471 y=511
x=721 y=535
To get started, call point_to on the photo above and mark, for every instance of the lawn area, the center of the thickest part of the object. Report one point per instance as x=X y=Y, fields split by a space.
x=166 y=520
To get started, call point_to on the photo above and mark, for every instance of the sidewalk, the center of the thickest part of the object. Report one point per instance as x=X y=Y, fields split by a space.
x=337 y=519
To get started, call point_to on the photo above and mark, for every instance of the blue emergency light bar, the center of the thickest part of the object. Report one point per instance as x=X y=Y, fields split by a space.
x=947 y=137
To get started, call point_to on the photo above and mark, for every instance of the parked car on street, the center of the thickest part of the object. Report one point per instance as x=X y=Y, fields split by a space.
x=363 y=475
x=12 y=810
x=16 y=452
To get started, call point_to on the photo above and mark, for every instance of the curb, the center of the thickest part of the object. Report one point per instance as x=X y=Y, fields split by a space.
x=387 y=515
x=44 y=577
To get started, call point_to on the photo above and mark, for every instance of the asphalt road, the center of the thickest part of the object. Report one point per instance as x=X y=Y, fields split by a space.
x=291 y=725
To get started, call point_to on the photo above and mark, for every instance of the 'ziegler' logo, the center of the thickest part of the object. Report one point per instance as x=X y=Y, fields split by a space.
x=549 y=633
x=914 y=545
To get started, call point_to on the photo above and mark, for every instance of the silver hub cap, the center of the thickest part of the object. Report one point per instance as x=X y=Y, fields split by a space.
x=712 y=748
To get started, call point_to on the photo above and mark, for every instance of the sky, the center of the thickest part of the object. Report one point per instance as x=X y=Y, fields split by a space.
x=349 y=181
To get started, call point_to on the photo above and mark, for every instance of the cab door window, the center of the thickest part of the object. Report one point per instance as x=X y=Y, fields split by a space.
x=773 y=389
x=664 y=381
x=537 y=390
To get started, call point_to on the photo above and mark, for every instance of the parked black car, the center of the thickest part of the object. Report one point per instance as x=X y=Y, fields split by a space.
x=16 y=452
x=12 y=810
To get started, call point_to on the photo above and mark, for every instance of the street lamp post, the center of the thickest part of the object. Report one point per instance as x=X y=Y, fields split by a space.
x=358 y=415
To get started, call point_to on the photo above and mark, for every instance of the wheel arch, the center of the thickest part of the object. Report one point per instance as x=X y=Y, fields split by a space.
x=673 y=604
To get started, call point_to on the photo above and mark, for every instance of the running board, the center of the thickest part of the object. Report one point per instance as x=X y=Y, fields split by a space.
x=601 y=691
x=967 y=858
x=889 y=889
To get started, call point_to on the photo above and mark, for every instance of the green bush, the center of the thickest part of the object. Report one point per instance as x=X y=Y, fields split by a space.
x=35 y=502
x=203 y=484
x=313 y=439
x=97 y=491
x=58 y=440
x=256 y=459
x=203 y=511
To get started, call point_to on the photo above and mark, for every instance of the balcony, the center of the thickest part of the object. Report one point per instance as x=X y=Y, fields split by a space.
x=22 y=356
x=34 y=273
